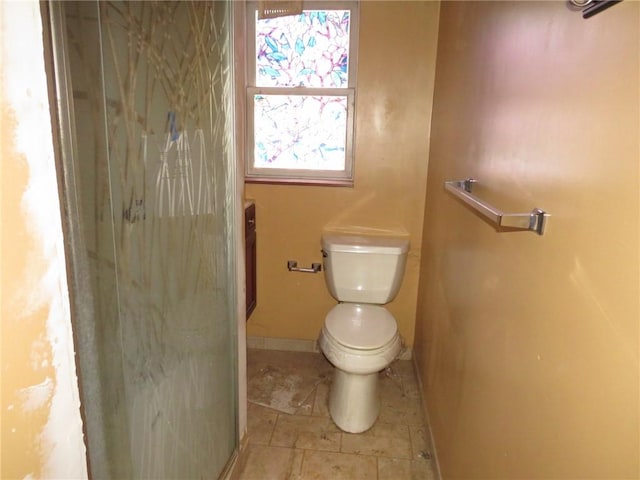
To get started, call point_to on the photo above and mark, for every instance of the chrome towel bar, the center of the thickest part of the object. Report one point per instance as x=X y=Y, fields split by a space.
x=535 y=220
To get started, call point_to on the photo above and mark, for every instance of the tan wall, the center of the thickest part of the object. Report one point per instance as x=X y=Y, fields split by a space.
x=527 y=346
x=41 y=424
x=17 y=429
x=391 y=150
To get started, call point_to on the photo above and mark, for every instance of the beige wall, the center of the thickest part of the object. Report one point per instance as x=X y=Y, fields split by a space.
x=40 y=408
x=396 y=56
x=527 y=346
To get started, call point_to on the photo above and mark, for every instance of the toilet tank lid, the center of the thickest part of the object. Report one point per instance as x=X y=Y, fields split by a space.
x=364 y=244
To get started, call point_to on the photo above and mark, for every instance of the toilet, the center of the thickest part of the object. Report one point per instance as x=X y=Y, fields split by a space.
x=359 y=336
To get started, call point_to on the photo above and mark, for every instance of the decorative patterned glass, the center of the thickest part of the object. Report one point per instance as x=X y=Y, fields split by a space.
x=306 y=50
x=153 y=103
x=301 y=95
x=300 y=131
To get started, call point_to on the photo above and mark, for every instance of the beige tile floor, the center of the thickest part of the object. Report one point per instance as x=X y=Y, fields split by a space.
x=307 y=445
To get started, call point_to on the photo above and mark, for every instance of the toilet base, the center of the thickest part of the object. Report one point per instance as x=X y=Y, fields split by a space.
x=354 y=402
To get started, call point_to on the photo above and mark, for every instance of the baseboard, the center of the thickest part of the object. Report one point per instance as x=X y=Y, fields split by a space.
x=425 y=410
x=237 y=463
x=284 y=344
x=297 y=345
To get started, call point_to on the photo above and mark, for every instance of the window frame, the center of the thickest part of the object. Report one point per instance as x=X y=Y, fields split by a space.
x=302 y=176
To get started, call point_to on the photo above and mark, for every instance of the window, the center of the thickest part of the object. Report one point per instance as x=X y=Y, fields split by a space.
x=301 y=95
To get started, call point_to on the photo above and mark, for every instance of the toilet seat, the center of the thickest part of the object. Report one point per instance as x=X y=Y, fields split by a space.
x=360 y=327
x=360 y=338
x=356 y=361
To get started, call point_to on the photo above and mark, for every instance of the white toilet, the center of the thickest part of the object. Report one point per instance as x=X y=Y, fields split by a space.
x=359 y=336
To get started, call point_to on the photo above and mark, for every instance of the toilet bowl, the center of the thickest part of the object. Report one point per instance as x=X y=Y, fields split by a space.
x=359 y=336
x=359 y=340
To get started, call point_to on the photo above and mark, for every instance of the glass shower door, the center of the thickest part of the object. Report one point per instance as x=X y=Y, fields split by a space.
x=154 y=175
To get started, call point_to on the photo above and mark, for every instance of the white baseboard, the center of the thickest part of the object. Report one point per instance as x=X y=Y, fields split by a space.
x=297 y=345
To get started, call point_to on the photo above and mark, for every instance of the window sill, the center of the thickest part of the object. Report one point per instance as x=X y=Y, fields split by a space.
x=338 y=182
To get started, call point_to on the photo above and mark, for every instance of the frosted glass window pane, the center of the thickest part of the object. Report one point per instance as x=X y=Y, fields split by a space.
x=306 y=50
x=300 y=131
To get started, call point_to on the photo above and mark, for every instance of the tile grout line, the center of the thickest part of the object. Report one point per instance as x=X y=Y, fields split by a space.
x=315 y=399
x=377 y=468
x=411 y=451
x=304 y=454
x=273 y=430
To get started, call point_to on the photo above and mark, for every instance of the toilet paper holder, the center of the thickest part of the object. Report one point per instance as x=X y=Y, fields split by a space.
x=292 y=265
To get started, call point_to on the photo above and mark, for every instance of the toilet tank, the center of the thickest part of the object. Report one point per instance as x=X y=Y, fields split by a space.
x=364 y=269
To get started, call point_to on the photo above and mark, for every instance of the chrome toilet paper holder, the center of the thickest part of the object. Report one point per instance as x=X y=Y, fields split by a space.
x=292 y=265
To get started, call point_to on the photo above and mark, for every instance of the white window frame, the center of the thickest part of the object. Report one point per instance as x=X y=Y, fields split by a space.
x=302 y=176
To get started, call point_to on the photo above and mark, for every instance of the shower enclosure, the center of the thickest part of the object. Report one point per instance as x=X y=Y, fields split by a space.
x=145 y=102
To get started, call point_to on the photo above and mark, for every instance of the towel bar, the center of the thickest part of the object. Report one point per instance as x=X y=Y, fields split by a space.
x=535 y=220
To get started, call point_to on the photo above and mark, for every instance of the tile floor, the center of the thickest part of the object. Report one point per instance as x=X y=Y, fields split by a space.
x=307 y=445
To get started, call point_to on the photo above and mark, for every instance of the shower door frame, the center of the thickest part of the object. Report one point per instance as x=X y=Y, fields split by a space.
x=66 y=153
